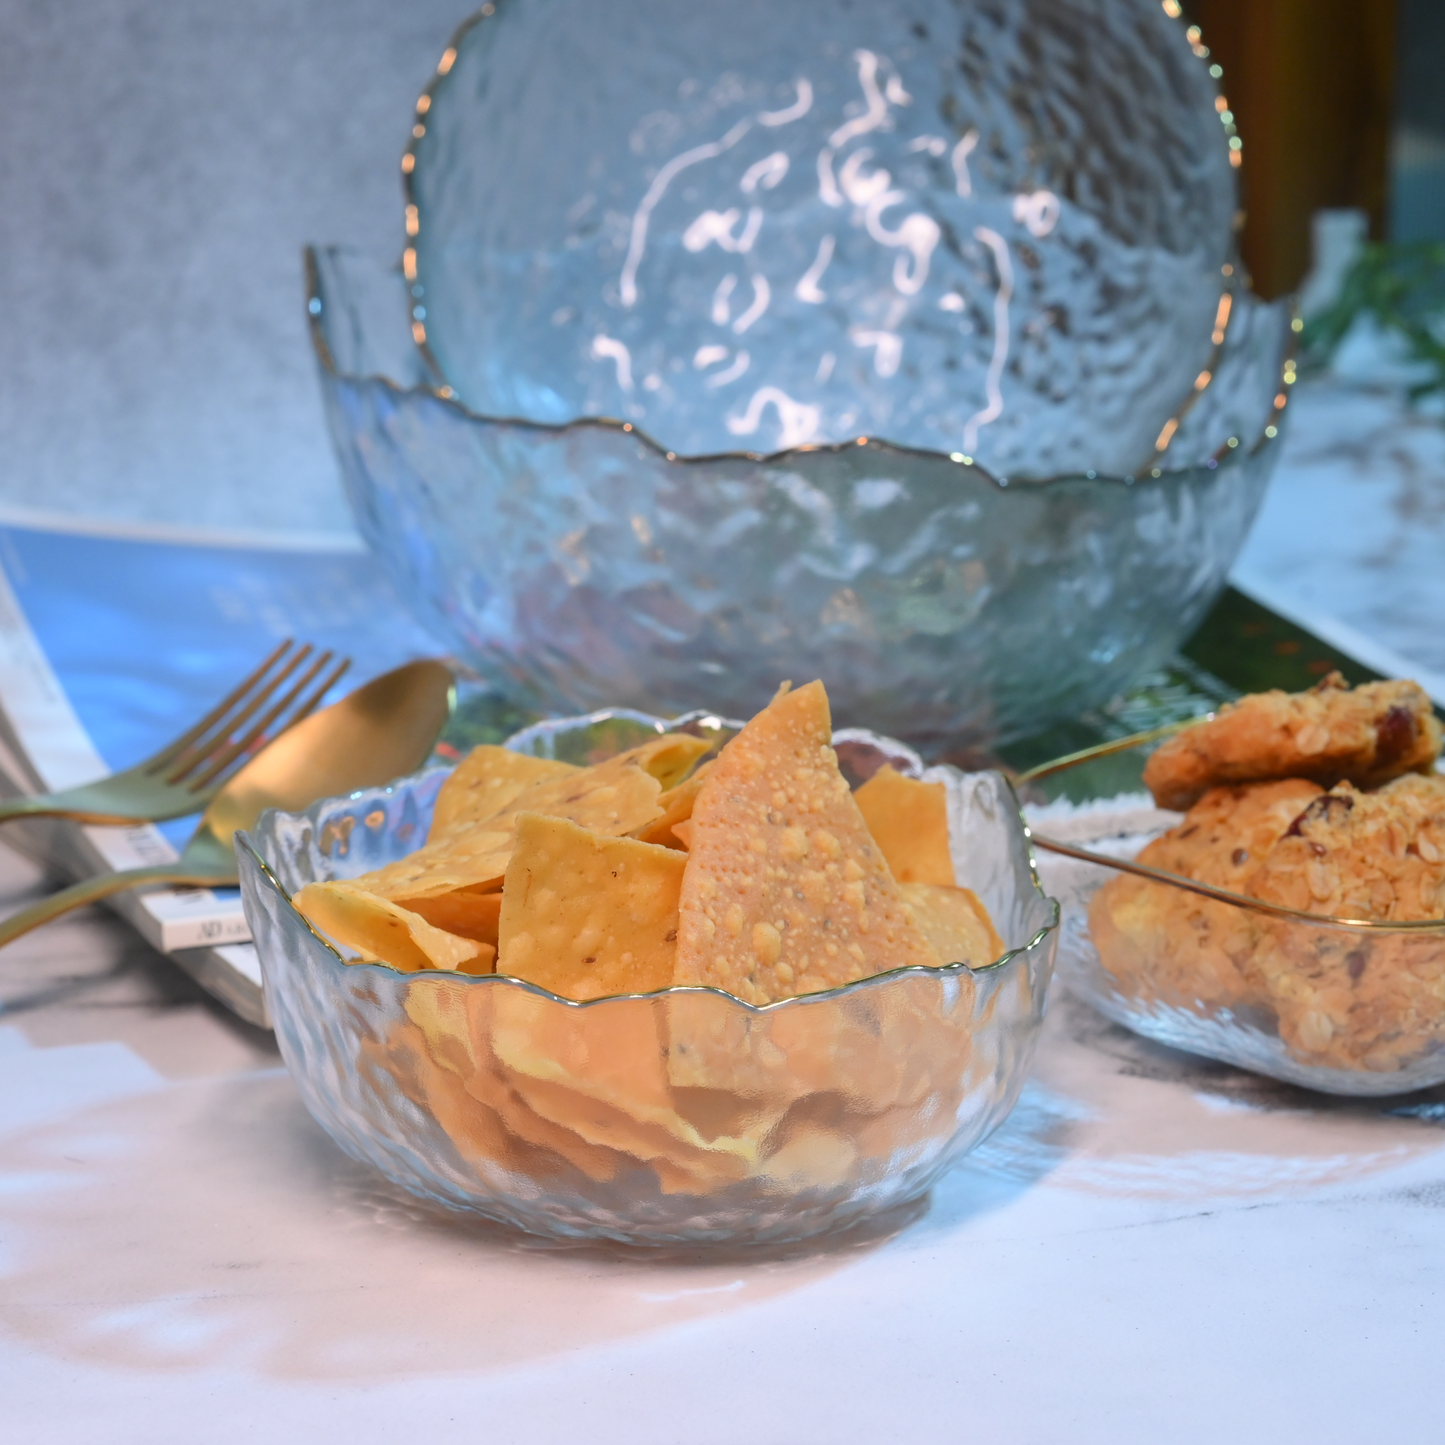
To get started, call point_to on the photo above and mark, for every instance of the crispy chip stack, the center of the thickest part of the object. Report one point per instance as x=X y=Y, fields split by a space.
x=756 y=872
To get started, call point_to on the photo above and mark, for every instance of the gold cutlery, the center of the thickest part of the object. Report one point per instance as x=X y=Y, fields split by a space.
x=189 y=771
x=375 y=734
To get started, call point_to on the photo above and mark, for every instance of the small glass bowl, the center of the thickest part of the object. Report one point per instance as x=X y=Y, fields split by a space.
x=676 y=1118
x=1342 y=1006
x=580 y=565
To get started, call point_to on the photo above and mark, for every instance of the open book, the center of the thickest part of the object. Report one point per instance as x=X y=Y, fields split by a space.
x=112 y=640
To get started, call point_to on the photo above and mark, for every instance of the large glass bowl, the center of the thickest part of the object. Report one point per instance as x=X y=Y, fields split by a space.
x=680 y=1117
x=1344 y=1007
x=580 y=565
x=961 y=225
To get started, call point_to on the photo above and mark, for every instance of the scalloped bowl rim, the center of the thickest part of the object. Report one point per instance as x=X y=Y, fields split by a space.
x=503 y=979
x=662 y=725
x=1268 y=436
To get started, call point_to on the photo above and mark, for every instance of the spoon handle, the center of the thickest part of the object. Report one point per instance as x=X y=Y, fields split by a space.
x=91 y=890
x=45 y=806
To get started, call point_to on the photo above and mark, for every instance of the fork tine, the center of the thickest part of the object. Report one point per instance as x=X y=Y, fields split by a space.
x=222 y=709
x=308 y=706
x=240 y=747
x=225 y=750
x=207 y=748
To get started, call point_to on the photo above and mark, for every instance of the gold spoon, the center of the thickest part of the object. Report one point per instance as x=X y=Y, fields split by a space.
x=375 y=734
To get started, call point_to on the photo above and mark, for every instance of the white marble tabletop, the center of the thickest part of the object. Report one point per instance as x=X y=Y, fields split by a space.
x=1153 y=1248
x=1350 y=540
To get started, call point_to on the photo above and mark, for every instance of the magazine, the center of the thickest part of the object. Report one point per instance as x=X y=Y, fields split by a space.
x=114 y=639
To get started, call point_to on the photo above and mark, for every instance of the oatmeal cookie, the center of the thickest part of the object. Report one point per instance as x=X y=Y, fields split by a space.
x=1168 y=944
x=1344 y=998
x=1330 y=734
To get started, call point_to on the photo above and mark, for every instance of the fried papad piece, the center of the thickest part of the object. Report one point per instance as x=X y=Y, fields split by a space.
x=484 y=782
x=1350 y=999
x=383 y=932
x=429 y=1055
x=478 y=1135
x=1330 y=734
x=954 y=921
x=616 y=797
x=494 y=1088
x=716 y=1051
x=467 y=912
x=870 y=1051
x=785 y=891
x=455 y=1024
x=676 y=804
x=600 y=1072
x=909 y=821
x=453 y=1019
x=1162 y=942
x=812 y=1156
x=588 y=916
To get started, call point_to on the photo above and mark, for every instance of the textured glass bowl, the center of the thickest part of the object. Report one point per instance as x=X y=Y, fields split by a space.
x=580 y=565
x=1344 y=1008
x=995 y=227
x=681 y=1117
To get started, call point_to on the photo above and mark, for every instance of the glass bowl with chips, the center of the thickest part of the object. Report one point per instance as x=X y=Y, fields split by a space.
x=1252 y=931
x=579 y=565
x=681 y=1116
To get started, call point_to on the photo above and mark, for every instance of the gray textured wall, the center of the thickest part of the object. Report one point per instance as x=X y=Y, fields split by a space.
x=162 y=163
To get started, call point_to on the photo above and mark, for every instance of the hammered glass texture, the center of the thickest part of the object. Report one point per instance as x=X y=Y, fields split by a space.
x=684 y=1117
x=1392 y=1045
x=987 y=226
x=579 y=566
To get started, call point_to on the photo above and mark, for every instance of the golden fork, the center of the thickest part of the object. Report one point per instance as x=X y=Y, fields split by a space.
x=189 y=771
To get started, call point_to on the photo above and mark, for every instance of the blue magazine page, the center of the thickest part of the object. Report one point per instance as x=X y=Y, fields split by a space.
x=144 y=636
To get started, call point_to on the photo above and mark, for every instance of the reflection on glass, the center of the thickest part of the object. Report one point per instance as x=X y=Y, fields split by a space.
x=583 y=566
x=999 y=229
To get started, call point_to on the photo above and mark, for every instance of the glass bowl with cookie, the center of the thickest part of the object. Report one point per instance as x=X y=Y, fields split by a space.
x=1277 y=899
x=681 y=982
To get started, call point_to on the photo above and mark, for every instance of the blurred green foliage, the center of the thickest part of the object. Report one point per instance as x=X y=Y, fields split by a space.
x=1401 y=285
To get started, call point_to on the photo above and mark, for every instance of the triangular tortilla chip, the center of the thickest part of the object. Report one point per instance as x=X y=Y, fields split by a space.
x=785 y=891
x=466 y=912
x=484 y=782
x=456 y=1024
x=616 y=797
x=601 y=1073
x=454 y=1019
x=909 y=821
x=587 y=916
x=483 y=1142
x=383 y=932
x=875 y=1049
x=955 y=922
x=676 y=804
